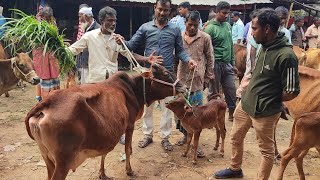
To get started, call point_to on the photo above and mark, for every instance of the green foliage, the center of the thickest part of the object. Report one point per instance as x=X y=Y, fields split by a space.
x=28 y=33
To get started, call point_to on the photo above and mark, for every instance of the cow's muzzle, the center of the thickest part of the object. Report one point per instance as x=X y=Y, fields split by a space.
x=35 y=80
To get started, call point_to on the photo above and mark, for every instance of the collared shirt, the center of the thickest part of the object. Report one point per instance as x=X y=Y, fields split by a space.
x=297 y=36
x=200 y=50
x=164 y=41
x=180 y=22
x=237 y=31
x=103 y=54
x=312 y=31
x=286 y=33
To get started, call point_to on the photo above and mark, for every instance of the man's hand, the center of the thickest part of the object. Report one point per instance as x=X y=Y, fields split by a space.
x=118 y=38
x=155 y=59
x=235 y=70
x=192 y=64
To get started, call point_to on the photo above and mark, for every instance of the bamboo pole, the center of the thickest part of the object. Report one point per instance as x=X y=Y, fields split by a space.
x=290 y=11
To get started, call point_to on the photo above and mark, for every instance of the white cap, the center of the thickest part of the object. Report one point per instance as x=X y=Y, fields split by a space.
x=86 y=11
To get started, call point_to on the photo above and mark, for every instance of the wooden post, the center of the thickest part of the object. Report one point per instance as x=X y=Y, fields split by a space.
x=290 y=11
x=130 y=33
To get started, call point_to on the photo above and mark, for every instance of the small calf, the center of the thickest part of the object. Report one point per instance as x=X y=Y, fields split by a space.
x=194 y=119
x=305 y=135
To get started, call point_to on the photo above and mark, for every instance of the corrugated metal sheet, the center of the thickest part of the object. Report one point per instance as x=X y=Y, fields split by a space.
x=206 y=2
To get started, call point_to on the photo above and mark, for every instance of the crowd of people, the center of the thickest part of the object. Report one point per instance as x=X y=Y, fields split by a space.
x=202 y=56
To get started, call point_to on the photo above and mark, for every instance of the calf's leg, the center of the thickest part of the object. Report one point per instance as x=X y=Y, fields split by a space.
x=218 y=138
x=195 y=146
x=287 y=155
x=128 y=150
x=102 y=174
x=189 y=138
x=7 y=94
x=299 y=163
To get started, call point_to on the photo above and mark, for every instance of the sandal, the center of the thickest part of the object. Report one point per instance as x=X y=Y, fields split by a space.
x=182 y=141
x=166 y=145
x=145 y=142
x=200 y=153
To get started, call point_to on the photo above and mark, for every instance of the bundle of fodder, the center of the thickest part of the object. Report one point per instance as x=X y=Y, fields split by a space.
x=27 y=33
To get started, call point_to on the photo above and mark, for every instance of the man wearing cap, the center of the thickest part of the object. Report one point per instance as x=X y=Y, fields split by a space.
x=88 y=24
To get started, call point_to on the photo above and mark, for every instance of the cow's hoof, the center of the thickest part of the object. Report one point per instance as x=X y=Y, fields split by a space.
x=221 y=154
x=184 y=154
x=130 y=173
x=194 y=162
x=7 y=94
x=215 y=148
x=104 y=177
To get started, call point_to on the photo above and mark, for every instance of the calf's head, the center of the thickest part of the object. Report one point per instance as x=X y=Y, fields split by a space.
x=23 y=68
x=163 y=83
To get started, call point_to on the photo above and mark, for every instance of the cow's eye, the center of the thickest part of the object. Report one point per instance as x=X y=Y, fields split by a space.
x=21 y=65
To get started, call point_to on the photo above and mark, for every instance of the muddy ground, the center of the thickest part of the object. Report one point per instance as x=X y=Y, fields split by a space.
x=20 y=158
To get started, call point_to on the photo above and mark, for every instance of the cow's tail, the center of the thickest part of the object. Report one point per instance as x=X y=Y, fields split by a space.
x=35 y=111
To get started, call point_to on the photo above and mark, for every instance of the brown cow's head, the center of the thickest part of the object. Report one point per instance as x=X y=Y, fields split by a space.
x=163 y=83
x=23 y=68
x=177 y=103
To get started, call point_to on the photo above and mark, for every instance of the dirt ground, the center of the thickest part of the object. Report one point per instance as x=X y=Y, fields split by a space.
x=20 y=158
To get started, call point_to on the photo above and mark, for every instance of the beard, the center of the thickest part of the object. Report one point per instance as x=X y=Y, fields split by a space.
x=84 y=25
x=111 y=30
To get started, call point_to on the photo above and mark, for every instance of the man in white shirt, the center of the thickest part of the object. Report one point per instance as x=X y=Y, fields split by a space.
x=313 y=33
x=102 y=47
x=283 y=14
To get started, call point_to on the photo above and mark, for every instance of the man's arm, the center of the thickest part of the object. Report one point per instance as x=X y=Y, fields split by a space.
x=77 y=47
x=240 y=33
x=290 y=78
x=208 y=52
x=136 y=39
x=179 y=50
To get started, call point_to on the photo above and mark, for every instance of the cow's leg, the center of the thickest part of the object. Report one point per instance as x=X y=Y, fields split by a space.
x=102 y=174
x=189 y=138
x=299 y=163
x=128 y=150
x=195 y=146
x=50 y=166
x=7 y=94
x=223 y=136
x=287 y=155
x=218 y=138
x=61 y=170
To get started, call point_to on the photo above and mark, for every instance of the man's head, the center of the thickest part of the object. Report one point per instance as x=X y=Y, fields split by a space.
x=299 y=21
x=265 y=25
x=192 y=23
x=235 y=16
x=283 y=13
x=316 y=21
x=184 y=8
x=162 y=10
x=222 y=9
x=80 y=15
x=108 y=20
x=85 y=17
x=47 y=14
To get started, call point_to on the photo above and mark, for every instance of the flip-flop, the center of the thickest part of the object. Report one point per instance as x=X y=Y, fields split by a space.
x=166 y=145
x=145 y=142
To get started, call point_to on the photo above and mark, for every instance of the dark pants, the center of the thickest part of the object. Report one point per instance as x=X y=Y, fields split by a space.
x=224 y=75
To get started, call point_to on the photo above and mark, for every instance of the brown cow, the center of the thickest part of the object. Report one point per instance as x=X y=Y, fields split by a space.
x=86 y=121
x=196 y=118
x=301 y=55
x=240 y=57
x=313 y=58
x=19 y=67
x=308 y=99
x=305 y=135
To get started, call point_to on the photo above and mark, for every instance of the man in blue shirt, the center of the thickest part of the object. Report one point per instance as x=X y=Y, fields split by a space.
x=180 y=19
x=2 y=21
x=162 y=38
x=237 y=28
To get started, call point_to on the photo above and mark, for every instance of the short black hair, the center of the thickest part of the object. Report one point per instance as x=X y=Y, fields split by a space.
x=106 y=12
x=185 y=4
x=163 y=1
x=282 y=11
x=193 y=15
x=222 y=5
x=268 y=16
x=254 y=13
x=236 y=13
